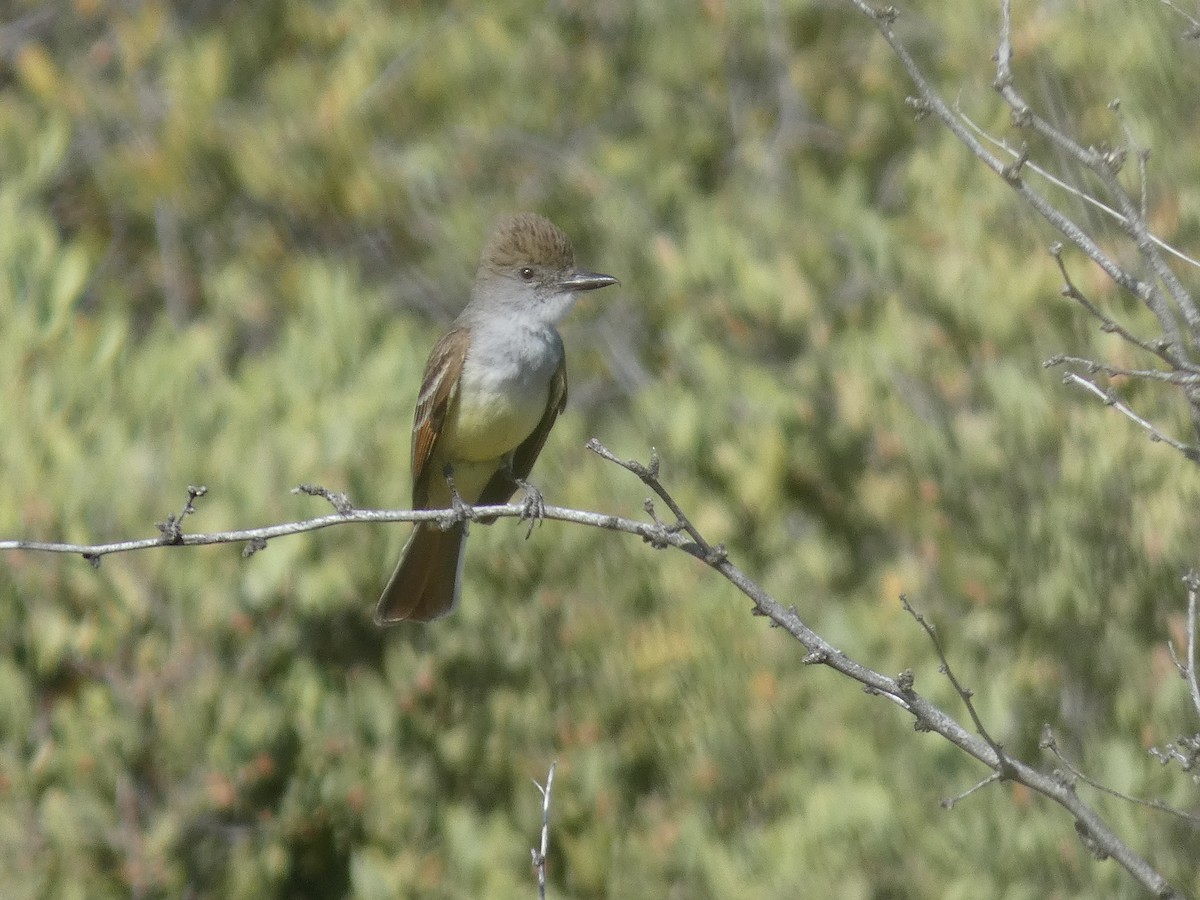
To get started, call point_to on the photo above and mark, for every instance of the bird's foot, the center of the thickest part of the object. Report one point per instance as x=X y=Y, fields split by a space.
x=463 y=511
x=533 y=507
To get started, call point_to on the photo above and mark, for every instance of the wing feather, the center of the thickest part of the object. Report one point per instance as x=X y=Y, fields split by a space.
x=439 y=392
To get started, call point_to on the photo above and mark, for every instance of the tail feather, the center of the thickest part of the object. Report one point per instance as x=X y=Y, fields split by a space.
x=425 y=584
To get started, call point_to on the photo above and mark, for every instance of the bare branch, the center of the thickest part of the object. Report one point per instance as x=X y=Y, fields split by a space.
x=1111 y=399
x=1183 y=750
x=1173 y=348
x=1104 y=164
x=1003 y=768
x=1048 y=742
x=1092 y=367
x=1157 y=346
x=951 y=802
x=172 y=528
x=539 y=855
x=652 y=533
x=1188 y=668
x=1001 y=144
x=337 y=499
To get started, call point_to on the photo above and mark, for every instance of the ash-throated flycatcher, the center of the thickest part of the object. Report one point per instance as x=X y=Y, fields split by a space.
x=492 y=389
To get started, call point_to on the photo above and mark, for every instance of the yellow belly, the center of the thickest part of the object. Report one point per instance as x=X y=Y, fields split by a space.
x=500 y=398
x=476 y=438
x=487 y=425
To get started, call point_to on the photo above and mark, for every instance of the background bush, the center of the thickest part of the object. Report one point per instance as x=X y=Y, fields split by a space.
x=229 y=234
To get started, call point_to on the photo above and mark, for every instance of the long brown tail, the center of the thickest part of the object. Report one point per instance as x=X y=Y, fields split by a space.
x=425 y=584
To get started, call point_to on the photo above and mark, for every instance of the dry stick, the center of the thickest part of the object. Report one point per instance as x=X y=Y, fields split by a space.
x=1188 y=669
x=1049 y=742
x=1106 y=166
x=172 y=528
x=1093 y=366
x=1004 y=770
x=1186 y=374
x=1070 y=188
x=1183 y=750
x=539 y=856
x=1157 y=346
x=1004 y=767
x=951 y=802
x=1193 y=682
x=257 y=538
x=1143 y=159
x=1111 y=399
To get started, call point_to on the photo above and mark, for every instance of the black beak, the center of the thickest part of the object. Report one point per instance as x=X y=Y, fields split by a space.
x=586 y=281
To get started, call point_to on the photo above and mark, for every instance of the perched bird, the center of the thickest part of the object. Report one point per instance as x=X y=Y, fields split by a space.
x=493 y=387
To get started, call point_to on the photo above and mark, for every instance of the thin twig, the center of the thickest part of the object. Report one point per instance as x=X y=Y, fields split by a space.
x=539 y=856
x=1142 y=155
x=1158 y=346
x=1193 y=31
x=1111 y=399
x=951 y=802
x=338 y=500
x=1093 y=831
x=649 y=476
x=651 y=532
x=1004 y=768
x=1192 y=580
x=1184 y=750
x=1095 y=202
x=1048 y=742
x=1093 y=366
x=172 y=529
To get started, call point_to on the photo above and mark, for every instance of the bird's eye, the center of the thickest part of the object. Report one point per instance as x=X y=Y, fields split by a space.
x=527 y=273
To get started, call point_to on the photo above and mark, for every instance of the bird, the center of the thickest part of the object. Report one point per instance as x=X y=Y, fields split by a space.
x=492 y=389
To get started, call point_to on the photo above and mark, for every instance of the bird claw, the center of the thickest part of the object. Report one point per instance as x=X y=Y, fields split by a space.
x=533 y=507
x=462 y=511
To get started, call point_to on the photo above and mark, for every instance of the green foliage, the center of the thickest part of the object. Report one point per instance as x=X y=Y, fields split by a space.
x=232 y=233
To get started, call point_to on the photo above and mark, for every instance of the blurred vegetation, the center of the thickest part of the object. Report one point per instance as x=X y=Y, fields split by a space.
x=232 y=231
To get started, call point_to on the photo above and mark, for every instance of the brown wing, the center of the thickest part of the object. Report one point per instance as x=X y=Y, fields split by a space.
x=501 y=487
x=439 y=391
